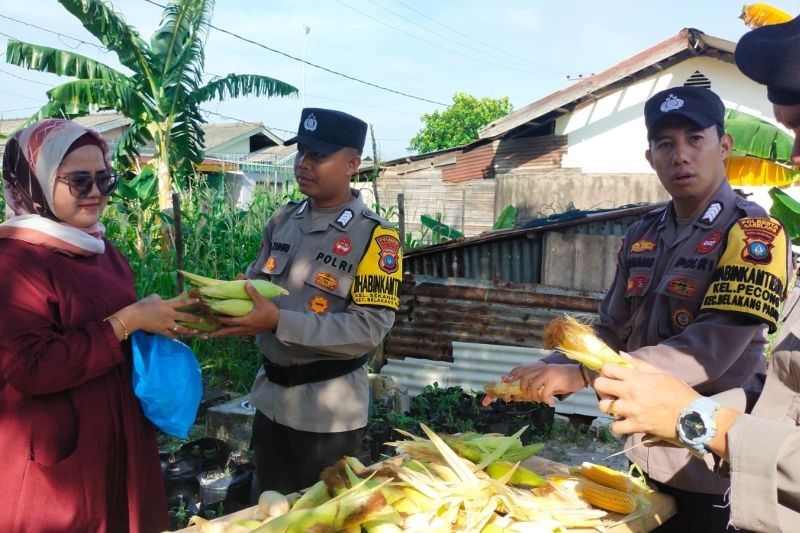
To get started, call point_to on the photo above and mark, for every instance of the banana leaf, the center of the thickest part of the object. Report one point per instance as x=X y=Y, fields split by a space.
x=755 y=137
x=440 y=228
x=507 y=218
x=752 y=171
x=787 y=210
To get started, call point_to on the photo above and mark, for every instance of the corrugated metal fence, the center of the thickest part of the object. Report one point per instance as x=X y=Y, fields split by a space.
x=435 y=312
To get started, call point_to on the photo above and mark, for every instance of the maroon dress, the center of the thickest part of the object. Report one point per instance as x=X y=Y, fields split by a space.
x=76 y=452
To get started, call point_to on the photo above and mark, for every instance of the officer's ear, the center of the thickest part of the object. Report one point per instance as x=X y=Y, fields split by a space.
x=649 y=157
x=726 y=145
x=354 y=162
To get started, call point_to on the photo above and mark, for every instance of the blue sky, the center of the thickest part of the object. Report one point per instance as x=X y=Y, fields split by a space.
x=429 y=49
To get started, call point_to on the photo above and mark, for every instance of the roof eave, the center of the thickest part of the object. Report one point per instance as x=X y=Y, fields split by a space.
x=688 y=39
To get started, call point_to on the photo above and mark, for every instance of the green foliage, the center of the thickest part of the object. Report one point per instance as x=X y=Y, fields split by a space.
x=163 y=94
x=787 y=210
x=441 y=231
x=459 y=124
x=507 y=218
x=755 y=137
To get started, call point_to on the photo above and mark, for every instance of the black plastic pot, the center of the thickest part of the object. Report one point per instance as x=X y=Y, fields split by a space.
x=231 y=488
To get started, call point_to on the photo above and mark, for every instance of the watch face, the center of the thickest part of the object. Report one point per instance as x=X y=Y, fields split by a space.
x=693 y=426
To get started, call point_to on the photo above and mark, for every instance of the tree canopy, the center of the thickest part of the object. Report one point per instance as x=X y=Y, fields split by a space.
x=161 y=96
x=458 y=124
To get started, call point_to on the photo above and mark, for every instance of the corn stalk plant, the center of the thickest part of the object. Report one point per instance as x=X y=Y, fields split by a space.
x=161 y=93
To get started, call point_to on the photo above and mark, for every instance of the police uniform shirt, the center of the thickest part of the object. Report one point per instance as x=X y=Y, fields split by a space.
x=696 y=300
x=342 y=268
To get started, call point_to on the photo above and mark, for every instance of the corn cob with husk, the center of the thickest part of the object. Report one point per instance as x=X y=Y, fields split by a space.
x=578 y=342
x=760 y=14
x=221 y=297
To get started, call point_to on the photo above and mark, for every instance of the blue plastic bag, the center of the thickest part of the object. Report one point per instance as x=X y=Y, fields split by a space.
x=167 y=381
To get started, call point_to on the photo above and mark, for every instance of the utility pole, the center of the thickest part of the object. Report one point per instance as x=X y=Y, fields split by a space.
x=307 y=28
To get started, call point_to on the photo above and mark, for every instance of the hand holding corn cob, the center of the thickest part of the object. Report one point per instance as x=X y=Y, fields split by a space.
x=236 y=298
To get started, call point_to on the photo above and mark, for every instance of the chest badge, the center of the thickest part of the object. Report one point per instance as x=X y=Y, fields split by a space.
x=326 y=280
x=318 y=304
x=642 y=245
x=342 y=246
x=682 y=286
x=389 y=247
x=707 y=244
x=270 y=264
x=712 y=213
x=636 y=285
x=681 y=318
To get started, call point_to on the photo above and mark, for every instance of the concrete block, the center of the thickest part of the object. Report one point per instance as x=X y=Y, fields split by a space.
x=232 y=422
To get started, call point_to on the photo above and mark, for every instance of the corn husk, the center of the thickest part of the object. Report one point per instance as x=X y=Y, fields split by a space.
x=578 y=342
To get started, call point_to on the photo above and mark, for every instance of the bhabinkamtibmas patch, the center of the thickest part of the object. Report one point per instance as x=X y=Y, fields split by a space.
x=751 y=275
x=378 y=277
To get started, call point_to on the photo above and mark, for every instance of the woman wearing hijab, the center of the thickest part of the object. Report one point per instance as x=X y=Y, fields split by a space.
x=77 y=452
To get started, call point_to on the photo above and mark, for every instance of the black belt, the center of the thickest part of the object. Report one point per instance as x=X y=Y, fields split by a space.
x=289 y=376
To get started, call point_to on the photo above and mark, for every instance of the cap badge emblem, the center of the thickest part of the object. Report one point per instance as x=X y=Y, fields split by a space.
x=671 y=103
x=310 y=123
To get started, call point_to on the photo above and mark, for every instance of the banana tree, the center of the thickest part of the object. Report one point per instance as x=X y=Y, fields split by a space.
x=161 y=95
x=761 y=152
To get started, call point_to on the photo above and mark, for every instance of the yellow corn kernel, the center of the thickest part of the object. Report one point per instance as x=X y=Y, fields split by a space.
x=501 y=389
x=607 y=498
x=607 y=476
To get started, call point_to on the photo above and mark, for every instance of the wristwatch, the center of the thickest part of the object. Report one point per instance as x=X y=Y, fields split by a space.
x=696 y=426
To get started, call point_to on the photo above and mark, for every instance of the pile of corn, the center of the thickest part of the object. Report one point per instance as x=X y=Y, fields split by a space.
x=432 y=488
x=221 y=297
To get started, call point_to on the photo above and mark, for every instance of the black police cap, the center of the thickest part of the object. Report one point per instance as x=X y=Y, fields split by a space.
x=770 y=55
x=326 y=131
x=697 y=104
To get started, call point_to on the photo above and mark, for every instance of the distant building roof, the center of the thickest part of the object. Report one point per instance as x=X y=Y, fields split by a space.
x=687 y=43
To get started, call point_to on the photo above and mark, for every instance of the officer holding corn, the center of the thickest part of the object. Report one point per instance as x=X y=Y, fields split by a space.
x=698 y=285
x=762 y=449
x=341 y=264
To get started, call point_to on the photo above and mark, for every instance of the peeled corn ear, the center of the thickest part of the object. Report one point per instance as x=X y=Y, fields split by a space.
x=607 y=498
x=500 y=389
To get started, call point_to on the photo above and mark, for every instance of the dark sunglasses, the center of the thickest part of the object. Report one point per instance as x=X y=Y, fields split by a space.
x=80 y=183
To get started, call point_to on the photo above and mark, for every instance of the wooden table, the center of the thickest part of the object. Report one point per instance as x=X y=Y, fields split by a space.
x=661 y=506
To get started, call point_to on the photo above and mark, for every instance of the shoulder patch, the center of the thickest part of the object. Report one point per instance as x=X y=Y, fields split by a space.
x=345 y=217
x=380 y=272
x=711 y=213
x=751 y=276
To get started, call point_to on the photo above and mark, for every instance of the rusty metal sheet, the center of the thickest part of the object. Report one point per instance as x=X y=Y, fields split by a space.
x=437 y=312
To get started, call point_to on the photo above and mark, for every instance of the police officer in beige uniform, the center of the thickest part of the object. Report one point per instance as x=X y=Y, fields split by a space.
x=698 y=284
x=763 y=448
x=341 y=264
